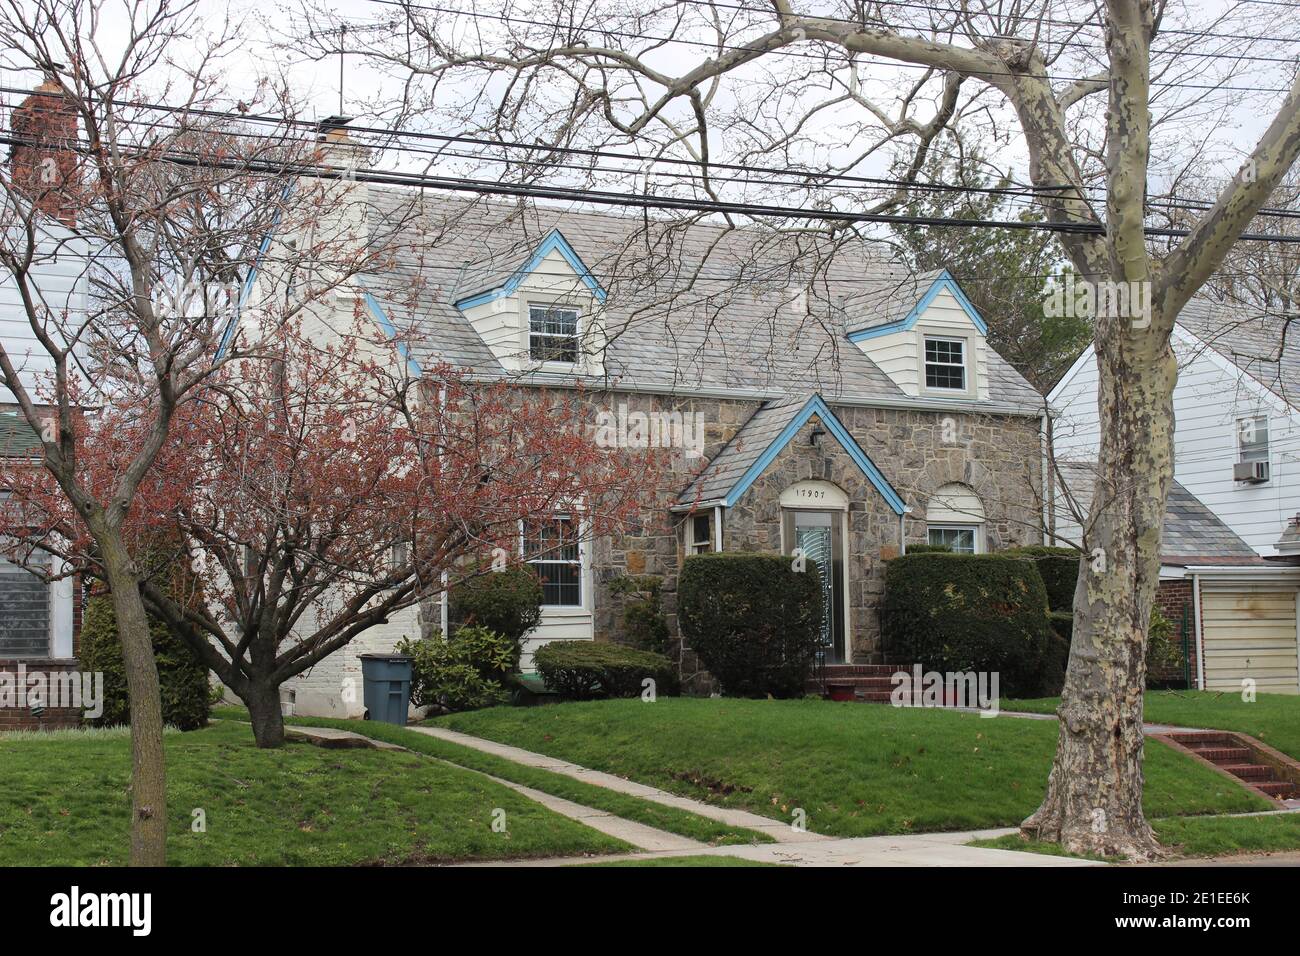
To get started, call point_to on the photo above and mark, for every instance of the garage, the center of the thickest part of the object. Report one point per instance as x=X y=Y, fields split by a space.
x=1250 y=633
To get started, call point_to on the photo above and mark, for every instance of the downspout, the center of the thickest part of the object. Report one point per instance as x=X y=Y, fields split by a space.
x=717 y=528
x=902 y=536
x=1200 y=643
x=1048 y=482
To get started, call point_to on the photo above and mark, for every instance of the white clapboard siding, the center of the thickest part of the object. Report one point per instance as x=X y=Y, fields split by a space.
x=61 y=284
x=1210 y=398
x=1251 y=634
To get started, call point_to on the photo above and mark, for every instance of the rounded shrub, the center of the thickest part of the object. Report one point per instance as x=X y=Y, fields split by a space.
x=585 y=670
x=1059 y=569
x=982 y=612
x=754 y=620
x=466 y=671
x=929 y=549
x=182 y=677
x=507 y=602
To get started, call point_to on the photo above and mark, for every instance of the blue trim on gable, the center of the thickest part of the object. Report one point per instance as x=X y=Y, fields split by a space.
x=385 y=323
x=554 y=242
x=943 y=281
x=817 y=406
x=247 y=289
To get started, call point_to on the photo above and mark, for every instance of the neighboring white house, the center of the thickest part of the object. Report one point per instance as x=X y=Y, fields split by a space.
x=1237 y=489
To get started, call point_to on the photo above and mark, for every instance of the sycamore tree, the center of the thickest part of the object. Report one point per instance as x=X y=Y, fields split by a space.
x=779 y=103
x=133 y=207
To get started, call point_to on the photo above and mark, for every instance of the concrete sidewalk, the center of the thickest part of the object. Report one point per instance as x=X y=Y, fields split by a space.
x=778 y=831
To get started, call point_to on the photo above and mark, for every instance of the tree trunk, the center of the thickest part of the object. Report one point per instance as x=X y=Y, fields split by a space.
x=148 y=769
x=264 y=711
x=1094 y=794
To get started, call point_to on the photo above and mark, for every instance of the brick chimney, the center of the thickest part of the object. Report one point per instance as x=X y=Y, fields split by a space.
x=44 y=165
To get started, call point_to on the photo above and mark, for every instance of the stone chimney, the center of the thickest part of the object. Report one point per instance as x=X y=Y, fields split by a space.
x=43 y=165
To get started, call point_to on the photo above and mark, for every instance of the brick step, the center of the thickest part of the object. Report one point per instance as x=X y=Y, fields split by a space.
x=1207 y=739
x=1223 y=755
x=1249 y=771
x=1282 y=789
x=871 y=683
x=860 y=670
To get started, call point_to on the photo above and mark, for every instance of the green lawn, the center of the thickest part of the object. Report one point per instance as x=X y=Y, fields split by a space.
x=1195 y=836
x=854 y=769
x=1273 y=718
x=629 y=808
x=64 y=802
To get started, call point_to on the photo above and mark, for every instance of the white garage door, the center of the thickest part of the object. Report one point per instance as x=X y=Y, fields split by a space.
x=1250 y=634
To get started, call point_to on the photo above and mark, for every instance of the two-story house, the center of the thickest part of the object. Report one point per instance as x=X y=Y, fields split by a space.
x=843 y=406
x=1237 y=488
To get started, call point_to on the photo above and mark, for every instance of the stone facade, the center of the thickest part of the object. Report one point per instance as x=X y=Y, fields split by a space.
x=917 y=451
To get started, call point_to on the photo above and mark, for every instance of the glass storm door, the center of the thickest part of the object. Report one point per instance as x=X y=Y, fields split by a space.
x=817 y=536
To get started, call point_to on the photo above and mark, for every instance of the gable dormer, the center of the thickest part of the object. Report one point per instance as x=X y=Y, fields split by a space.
x=544 y=316
x=924 y=334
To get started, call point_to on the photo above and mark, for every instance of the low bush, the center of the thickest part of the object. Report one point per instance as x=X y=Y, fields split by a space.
x=585 y=670
x=507 y=602
x=753 y=620
x=182 y=677
x=982 y=612
x=1164 y=650
x=467 y=671
x=1059 y=569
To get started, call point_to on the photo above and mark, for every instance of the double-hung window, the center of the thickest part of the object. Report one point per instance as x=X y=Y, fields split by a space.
x=25 y=613
x=962 y=539
x=551 y=547
x=699 y=535
x=553 y=334
x=945 y=363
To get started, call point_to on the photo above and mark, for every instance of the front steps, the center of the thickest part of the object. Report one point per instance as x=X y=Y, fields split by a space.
x=864 y=683
x=1255 y=766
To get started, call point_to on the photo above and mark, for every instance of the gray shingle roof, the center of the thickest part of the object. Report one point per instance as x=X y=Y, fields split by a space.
x=698 y=307
x=1260 y=345
x=745 y=447
x=1192 y=533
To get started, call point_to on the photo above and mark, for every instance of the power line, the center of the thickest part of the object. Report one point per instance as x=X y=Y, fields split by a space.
x=633 y=200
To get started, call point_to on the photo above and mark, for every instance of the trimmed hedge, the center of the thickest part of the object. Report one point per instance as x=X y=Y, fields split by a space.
x=507 y=602
x=1059 y=569
x=182 y=677
x=929 y=549
x=585 y=670
x=971 y=612
x=753 y=620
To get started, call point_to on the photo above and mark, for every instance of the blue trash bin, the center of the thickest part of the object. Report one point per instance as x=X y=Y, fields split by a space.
x=386 y=686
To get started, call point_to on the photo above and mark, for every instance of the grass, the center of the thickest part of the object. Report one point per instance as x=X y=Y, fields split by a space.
x=1272 y=718
x=690 y=861
x=1013 y=841
x=1193 y=836
x=65 y=803
x=854 y=770
x=670 y=819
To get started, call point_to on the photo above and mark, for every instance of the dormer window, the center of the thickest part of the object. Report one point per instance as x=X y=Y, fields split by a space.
x=945 y=364
x=553 y=334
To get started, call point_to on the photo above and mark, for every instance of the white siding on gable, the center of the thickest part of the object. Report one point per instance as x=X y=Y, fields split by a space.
x=502 y=323
x=59 y=276
x=1209 y=400
x=901 y=355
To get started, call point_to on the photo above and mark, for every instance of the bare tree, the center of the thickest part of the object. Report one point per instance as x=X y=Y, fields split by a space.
x=757 y=104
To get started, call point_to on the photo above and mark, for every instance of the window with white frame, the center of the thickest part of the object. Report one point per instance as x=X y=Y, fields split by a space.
x=1252 y=438
x=699 y=533
x=553 y=334
x=962 y=539
x=551 y=547
x=945 y=363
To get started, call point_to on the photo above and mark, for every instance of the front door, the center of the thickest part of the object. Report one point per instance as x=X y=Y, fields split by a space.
x=816 y=534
